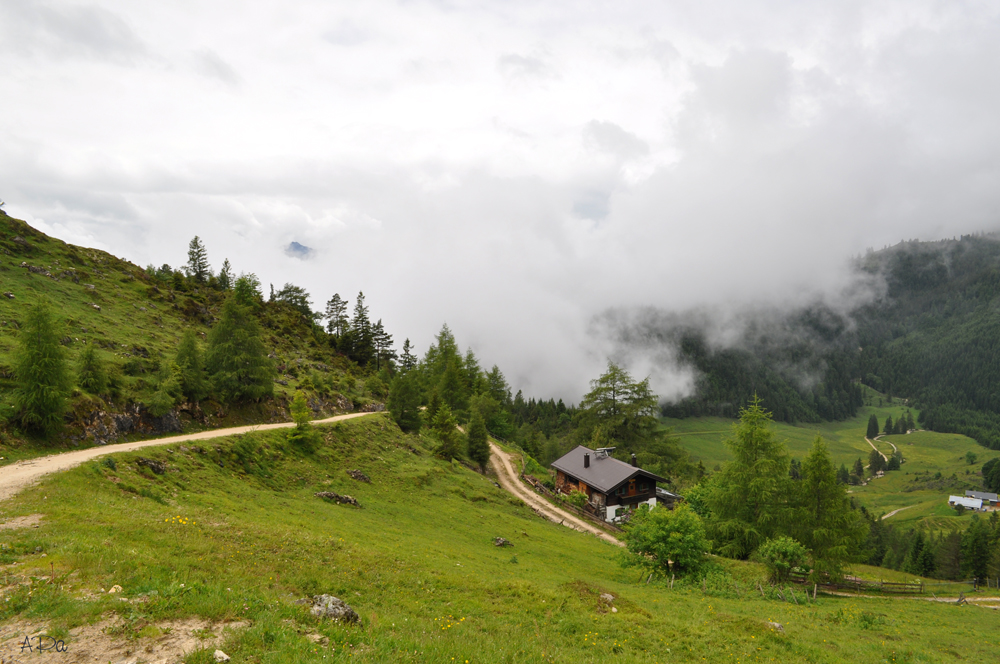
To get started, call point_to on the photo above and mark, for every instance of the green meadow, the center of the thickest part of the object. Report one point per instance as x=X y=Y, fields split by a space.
x=917 y=487
x=233 y=531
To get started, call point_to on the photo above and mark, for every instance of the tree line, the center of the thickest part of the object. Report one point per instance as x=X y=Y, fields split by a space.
x=756 y=508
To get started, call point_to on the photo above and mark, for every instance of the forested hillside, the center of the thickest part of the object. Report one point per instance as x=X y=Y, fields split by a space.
x=94 y=348
x=932 y=336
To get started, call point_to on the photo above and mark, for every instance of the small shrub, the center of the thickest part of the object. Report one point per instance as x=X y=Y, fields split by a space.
x=781 y=555
x=656 y=537
x=109 y=462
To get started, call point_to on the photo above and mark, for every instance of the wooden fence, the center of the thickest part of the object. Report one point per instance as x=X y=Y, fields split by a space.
x=850 y=583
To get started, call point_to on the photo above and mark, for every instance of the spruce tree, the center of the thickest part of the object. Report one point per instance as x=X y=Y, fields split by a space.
x=843 y=475
x=479 y=446
x=976 y=549
x=875 y=462
x=197 y=266
x=888 y=425
x=872 y=427
x=192 y=368
x=382 y=343
x=236 y=360
x=226 y=276
x=41 y=371
x=404 y=402
x=91 y=374
x=859 y=468
x=748 y=501
x=363 y=347
x=408 y=360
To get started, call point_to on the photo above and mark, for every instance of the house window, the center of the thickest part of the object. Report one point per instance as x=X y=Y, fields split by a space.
x=643 y=487
x=621 y=491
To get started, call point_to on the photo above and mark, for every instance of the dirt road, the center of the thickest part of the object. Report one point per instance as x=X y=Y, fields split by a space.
x=508 y=480
x=886 y=516
x=19 y=475
x=877 y=449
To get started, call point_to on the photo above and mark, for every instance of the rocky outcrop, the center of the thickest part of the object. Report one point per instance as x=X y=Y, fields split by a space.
x=337 y=498
x=328 y=606
x=359 y=476
x=104 y=427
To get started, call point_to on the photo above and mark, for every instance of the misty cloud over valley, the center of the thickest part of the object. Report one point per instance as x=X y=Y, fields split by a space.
x=560 y=184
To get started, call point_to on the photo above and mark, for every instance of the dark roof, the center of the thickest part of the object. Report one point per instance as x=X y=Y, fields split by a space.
x=604 y=474
x=982 y=495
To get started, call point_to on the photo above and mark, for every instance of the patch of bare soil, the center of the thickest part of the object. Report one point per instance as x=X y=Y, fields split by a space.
x=30 y=521
x=163 y=643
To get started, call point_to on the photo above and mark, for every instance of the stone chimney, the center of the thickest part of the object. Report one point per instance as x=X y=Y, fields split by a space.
x=586 y=460
x=634 y=462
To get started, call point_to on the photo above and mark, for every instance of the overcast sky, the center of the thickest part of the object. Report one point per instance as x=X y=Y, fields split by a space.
x=511 y=168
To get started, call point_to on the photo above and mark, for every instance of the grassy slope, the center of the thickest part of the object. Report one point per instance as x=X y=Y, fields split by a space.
x=913 y=487
x=138 y=316
x=417 y=563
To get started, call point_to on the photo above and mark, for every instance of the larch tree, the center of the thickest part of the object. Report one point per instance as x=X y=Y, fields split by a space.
x=236 y=359
x=749 y=501
x=446 y=429
x=91 y=374
x=825 y=522
x=189 y=360
x=404 y=402
x=623 y=409
x=42 y=373
x=479 y=446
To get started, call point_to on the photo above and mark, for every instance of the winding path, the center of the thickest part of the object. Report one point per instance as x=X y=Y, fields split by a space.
x=22 y=474
x=886 y=516
x=877 y=449
x=509 y=481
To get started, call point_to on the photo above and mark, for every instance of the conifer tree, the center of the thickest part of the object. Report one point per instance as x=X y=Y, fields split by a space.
x=247 y=291
x=404 y=402
x=479 y=447
x=40 y=367
x=194 y=385
x=408 y=360
x=889 y=429
x=876 y=462
x=361 y=333
x=168 y=391
x=859 y=468
x=843 y=475
x=91 y=374
x=446 y=430
x=236 y=359
x=976 y=549
x=826 y=524
x=336 y=316
x=226 y=276
x=197 y=266
x=451 y=388
x=872 y=427
x=302 y=434
x=382 y=343
x=749 y=500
